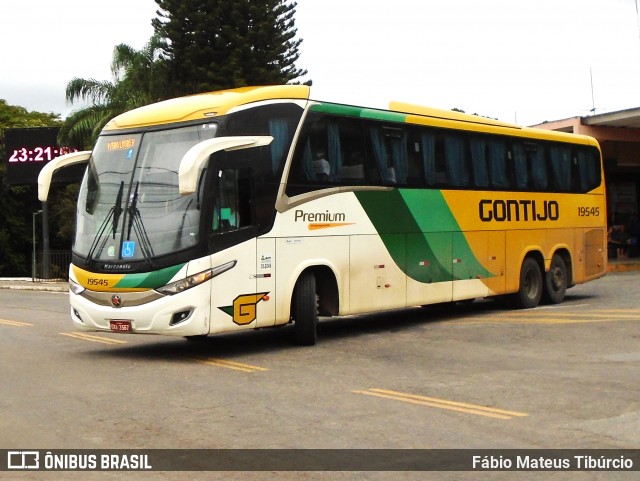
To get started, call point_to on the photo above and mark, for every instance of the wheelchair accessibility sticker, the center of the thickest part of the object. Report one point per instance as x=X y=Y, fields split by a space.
x=128 y=248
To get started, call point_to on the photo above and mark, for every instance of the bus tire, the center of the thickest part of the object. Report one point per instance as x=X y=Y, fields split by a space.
x=305 y=310
x=555 y=281
x=530 y=291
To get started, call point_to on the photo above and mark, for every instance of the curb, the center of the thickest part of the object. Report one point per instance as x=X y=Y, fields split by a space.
x=21 y=285
x=623 y=266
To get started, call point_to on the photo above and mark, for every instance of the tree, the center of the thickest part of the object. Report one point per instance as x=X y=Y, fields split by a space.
x=16 y=116
x=138 y=79
x=218 y=44
x=18 y=202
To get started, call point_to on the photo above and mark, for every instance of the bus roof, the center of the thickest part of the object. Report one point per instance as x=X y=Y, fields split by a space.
x=212 y=104
x=447 y=114
x=201 y=106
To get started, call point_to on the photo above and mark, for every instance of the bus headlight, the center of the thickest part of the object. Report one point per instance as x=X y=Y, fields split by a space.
x=76 y=288
x=194 y=280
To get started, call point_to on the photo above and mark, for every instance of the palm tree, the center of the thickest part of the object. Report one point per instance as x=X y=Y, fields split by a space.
x=138 y=79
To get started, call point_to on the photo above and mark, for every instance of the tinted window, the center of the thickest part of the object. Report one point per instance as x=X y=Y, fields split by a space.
x=351 y=151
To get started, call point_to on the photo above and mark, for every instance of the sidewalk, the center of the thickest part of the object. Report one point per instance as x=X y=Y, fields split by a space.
x=25 y=284
x=61 y=285
x=624 y=265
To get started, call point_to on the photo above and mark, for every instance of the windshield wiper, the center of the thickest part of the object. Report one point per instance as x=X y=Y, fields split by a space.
x=135 y=222
x=114 y=214
x=117 y=209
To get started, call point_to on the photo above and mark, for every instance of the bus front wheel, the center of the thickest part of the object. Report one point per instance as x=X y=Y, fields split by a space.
x=530 y=291
x=305 y=310
x=555 y=281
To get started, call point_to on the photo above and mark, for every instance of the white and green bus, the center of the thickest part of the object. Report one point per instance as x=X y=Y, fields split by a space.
x=257 y=207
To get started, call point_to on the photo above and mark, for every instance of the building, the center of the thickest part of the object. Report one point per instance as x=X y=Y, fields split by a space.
x=619 y=137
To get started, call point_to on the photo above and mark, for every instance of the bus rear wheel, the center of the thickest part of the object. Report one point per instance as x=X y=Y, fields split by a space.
x=530 y=291
x=555 y=281
x=305 y=310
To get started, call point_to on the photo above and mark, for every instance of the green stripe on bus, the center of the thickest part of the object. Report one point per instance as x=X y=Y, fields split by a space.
x=149 y=280
x=382 y=115
x=337 y=109
x=350 y=111
x=420 y=233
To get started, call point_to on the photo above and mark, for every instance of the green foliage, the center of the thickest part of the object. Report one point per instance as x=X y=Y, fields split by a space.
x=16 y=116
x=18 y=203
x=198 y=45
x=138 y=79
x=218 y=44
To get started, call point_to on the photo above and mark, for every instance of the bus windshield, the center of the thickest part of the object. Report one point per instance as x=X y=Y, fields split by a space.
x=129 y=205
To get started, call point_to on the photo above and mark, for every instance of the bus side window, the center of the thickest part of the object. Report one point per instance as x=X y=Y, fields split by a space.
x=311 y=146
x=399 y=154
x=479 y=162
x=587 y=171
x=498 y=168
x=441 y=162
x=537 y=162
x=415 y=163
x=353 y=167
x=276 y=120
x=390 y=152
x=518 y=157
x=232 y=205
x=428 y=145
x=575 y=180
x=279 y=130
x=456 y=159
x=560 y=157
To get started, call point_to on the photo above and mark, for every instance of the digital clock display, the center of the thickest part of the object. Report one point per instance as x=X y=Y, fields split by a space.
x=27 y=150
x=38 y=154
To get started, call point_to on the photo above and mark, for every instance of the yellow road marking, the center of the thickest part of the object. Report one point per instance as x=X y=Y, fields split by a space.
x=531 y=320
x=443 y=404
x=637 y=311
x=238 y=366
x=14 y=323
x=554 y=317
x=89 y=337
x=595 y=314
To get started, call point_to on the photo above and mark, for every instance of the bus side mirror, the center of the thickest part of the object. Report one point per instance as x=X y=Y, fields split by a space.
x=199 y=154
x=44 y=177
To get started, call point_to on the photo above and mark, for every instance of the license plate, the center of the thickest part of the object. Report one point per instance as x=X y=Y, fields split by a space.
x=120 y=325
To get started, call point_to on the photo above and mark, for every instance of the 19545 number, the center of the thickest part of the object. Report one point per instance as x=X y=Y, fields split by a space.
x=588 y=211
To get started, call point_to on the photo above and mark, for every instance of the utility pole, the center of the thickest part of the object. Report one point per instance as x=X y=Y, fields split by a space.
x=46 y=264
x=33 y=243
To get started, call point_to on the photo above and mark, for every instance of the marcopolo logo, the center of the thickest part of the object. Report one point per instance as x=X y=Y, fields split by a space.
x=518 y=210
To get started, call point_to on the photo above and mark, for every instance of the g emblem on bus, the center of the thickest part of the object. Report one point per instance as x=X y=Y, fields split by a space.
x=116 y=300
x=244 y=309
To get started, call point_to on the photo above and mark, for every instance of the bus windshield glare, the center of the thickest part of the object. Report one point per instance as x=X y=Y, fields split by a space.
x=129 y=206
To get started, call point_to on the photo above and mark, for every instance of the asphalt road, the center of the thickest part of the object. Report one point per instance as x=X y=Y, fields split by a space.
x=471 y=377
